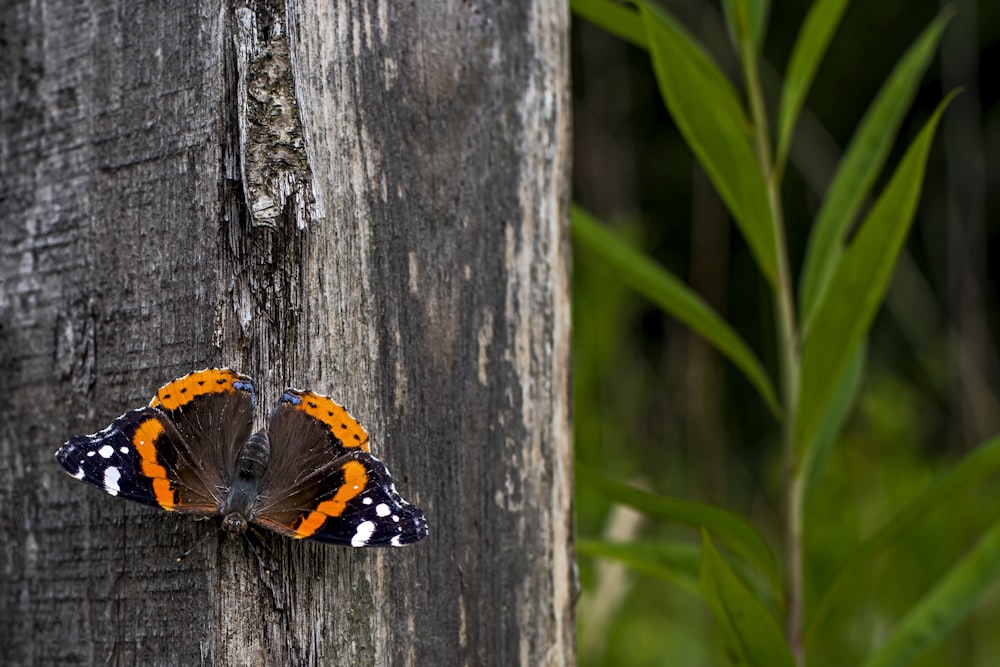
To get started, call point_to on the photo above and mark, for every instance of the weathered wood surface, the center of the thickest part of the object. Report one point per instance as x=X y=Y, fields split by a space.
x=424 y=285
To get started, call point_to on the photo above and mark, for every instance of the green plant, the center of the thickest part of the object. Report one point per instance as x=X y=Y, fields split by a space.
x=822 y=322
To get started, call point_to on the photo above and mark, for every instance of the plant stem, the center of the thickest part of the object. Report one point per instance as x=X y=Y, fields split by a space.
x=788 y=346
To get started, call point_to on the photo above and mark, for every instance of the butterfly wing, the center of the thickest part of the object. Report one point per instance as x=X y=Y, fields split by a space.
x=323 y=484
x=141 y=457
x=318 y=419
x=212 y=410
x=175 y=454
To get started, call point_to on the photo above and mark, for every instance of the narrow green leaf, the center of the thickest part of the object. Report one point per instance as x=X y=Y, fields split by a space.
x=751 y=631
x=810 y=47
x=974 y=468
x=675 y=564
x=712 y=121
x=738 y=533
x=676 y=298
x=746 y=16
x=620 y=20
x=858 y=285
x=860 y=167
x=953 y=596
x=700 y=61
x=817 y=453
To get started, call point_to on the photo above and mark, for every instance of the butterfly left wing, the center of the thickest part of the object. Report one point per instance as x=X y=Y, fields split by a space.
x=140 y=457
x=323 y=484
x=212 y=409
x=178 y=452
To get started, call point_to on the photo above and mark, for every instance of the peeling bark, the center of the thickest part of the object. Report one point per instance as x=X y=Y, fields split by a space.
x=277 y=180
x=365 y=199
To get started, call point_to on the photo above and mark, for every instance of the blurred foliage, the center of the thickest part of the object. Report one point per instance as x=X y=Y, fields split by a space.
x=659 y=409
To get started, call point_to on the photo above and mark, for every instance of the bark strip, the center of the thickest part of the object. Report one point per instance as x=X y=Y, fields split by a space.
x=277 y=179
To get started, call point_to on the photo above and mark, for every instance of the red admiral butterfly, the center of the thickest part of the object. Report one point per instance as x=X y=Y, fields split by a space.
x=308 y=475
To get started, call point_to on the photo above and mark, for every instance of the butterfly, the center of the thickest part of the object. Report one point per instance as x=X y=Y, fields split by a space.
x=308 y=475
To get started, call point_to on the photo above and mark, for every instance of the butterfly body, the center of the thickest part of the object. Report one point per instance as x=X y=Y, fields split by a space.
x=308 y=475
x=251 y=464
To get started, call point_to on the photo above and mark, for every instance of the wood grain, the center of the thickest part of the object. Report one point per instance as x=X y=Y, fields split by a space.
x=427 y=291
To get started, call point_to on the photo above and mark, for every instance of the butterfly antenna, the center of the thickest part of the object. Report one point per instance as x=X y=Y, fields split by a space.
x=260 y=561
x=197 y=543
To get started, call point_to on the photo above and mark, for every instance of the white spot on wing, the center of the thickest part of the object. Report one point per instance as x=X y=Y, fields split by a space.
x=395 y=541
x=79 y=474
x=382 y=509
x=366 y=501
x=106 y=451
x=363 y=534
x=123 y=450
x=111 y=477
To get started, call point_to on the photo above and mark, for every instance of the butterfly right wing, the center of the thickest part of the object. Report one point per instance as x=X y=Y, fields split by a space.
x=324 y=485
x=352 y=502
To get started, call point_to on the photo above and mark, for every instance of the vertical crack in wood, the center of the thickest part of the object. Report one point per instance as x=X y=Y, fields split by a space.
x=267 y=201
x=275 y=168
x=267 y=204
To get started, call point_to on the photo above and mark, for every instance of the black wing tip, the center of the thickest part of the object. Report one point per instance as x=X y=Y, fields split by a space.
x=73 y=446
x=419 y=532
x=63 y=451
x=71 y=459
x=411 y=529
x=62 y=455
x=80 y=442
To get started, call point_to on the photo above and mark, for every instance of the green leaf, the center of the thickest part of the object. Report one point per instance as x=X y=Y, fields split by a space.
x=744 y=16
x=858 y=286
x=807 y=54
x=953 y=596
x=669 y=293
x=675 y=564
x=817 y=453
x=980 y=464
x=714 y=124
x=751 y=631
x=620 y=20
x=860 y=167
x=738 y=533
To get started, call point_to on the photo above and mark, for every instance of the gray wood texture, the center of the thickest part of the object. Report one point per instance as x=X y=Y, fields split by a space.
x=417 y=272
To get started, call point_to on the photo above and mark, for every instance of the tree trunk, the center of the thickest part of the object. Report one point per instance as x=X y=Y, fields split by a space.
x=368 y=200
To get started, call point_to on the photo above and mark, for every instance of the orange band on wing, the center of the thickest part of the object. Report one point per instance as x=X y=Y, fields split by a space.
x=182 y=391
x=355 y=479
x=164 y=493
x=340 y=422
x=145 y=443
